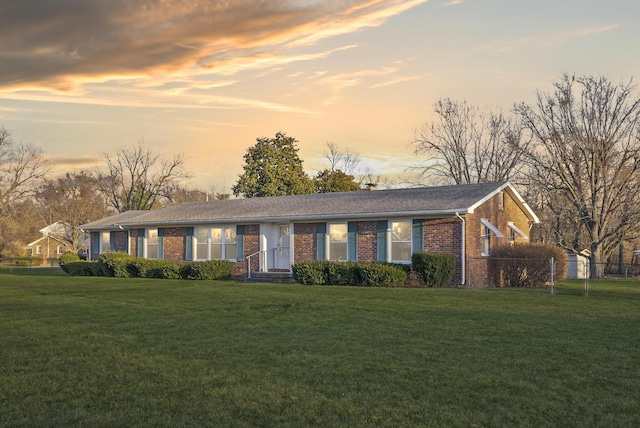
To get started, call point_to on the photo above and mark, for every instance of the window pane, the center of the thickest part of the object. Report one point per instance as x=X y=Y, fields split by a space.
x=106 y=245
x=338 y=232
x=338 y=251
x=401 y=231
x=201 y=250
x=229 y=234
x=401 y=251
x=230 y=251
x=216 y=235
x=216 y=251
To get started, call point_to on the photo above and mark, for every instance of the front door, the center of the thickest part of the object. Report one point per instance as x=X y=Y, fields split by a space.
x=283 y=250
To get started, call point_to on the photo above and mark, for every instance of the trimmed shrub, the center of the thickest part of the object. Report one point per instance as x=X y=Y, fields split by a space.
x=342 y=273
x=83 y=268
x=322 y=272
x=68 y=258
x=148 y=268
x=115 y=264
x=526 y=265
x=210 y=269
x=27 y=261
x=310 y=272
x=381 y=274
x=435 y=269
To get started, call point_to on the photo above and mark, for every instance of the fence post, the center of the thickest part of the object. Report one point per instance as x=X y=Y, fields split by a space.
x=552 y=268
x=586 y=278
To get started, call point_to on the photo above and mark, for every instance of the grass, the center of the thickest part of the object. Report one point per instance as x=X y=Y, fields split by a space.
x=131 y=352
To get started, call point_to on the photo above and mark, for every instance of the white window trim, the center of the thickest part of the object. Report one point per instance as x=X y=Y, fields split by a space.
x=103 y=242
x=223 y=243
x=390 y=240
x=492 y=228
x=486 y=238
x=328 y=241
x=146 y=243
x=513 y=227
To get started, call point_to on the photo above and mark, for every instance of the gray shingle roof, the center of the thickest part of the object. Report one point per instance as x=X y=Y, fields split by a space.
x=432 y=201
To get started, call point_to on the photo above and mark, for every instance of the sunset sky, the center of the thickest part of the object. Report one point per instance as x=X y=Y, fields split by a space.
x=81 y=78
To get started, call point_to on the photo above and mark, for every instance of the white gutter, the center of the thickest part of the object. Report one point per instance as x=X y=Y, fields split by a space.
x=463 y=255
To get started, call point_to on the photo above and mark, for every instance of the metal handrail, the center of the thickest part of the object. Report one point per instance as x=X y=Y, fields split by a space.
x=248 y=258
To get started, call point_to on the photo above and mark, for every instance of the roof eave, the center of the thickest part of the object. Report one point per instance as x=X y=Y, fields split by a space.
x=292 y=218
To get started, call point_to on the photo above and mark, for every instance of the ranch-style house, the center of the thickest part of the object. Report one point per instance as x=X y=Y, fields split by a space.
x=269 y=234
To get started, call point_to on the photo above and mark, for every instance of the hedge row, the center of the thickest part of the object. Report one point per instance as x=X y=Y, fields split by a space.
x=434 y=269
x=321 y=272
x=122 y=265
x=526 y=265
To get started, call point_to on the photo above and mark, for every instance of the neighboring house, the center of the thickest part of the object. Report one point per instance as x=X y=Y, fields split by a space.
x=52 y=243
x=271 y=233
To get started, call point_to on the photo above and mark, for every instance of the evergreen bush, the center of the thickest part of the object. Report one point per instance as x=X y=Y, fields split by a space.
x=210 y=269
x=83 y=268
x=311 y=272
x=68 y=258
x=435 y=269
x=114 y=264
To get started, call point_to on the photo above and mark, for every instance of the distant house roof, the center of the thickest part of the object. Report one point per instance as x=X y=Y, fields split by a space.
x=418 y=201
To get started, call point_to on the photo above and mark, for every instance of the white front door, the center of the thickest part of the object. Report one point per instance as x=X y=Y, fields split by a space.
x=283 y=250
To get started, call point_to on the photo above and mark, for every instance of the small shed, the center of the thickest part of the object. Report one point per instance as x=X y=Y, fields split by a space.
x=577 y=265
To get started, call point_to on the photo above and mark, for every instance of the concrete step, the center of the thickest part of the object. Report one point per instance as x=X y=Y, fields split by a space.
x=271 y=277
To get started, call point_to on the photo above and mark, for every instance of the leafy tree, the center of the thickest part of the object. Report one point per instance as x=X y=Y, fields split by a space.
x=328 y=181
x=139 y=179
x=586 y=161
x=73 y=199
x=466 y=145
x=272 y=168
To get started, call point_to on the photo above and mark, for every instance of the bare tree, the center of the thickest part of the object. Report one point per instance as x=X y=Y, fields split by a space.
x=73 y=200
x=465 y=145
x=21 y=166
x=138 y=179
x=586 y=161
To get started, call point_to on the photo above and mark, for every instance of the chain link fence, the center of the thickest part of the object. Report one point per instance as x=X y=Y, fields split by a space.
x=480 y=273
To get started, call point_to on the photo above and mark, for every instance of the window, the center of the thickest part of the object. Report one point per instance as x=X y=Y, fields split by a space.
x=338 y=241
x=105 y=242
x=401 y=241
x=486 y=240
x=487 y=230
x=59 y=249
x=512 y=237
x=39 y=249
x=152 y=244
x=215 y=243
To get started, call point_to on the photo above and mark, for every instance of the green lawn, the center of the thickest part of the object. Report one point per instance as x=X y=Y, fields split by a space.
x=77 y=351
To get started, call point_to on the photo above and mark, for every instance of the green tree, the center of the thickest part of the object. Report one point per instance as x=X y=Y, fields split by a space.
x=328 y=181
x=272 y=168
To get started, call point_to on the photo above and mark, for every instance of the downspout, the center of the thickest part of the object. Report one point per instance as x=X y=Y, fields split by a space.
x=463 y=255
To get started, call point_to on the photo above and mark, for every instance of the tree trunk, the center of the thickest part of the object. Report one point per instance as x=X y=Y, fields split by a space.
x=596 y=265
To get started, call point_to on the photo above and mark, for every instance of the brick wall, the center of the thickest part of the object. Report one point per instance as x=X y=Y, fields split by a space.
x=174 y=243
x=304 y=241
x=251 y=246
x=120 y=240
x=445 y=236
x=133 y=242
x=367 y=242
x=498 y=216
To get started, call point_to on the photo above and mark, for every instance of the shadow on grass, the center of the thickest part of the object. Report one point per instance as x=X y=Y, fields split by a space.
x=32 y=271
